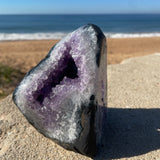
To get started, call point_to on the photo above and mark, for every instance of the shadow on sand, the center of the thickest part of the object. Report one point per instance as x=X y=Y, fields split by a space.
x=130 y=132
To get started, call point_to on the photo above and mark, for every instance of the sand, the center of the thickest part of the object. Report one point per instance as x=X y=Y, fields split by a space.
x=124 y=48
x=24 y=55
x=132 y=128
x=133 y=102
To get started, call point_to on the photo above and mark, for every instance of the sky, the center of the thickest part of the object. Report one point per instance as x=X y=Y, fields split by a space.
x=78 y=6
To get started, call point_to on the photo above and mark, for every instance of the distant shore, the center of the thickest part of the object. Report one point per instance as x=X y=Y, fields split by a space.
x=23 y=55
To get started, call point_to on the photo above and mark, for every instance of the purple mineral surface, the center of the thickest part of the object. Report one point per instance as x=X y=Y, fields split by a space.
x=64 y=95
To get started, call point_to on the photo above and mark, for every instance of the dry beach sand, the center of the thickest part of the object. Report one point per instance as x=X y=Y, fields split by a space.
x=133 y=125
x=132 y=128
x=23 y=55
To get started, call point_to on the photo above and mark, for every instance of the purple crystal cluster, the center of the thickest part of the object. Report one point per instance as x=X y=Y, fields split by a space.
x=62 y=96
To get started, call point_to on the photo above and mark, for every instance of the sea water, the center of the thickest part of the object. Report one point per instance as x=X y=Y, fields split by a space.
x=34 y=27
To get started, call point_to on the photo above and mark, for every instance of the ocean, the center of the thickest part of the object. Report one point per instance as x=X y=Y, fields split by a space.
x=33 y=27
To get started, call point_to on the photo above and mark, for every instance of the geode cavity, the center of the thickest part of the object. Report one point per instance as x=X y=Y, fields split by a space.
x=64 y=95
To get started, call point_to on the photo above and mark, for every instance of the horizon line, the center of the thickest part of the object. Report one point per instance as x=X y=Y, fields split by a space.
x=70 y=13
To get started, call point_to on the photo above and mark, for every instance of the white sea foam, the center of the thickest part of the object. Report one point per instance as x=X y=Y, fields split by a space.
x=131 y=35
x=60 y=35
x=31 y=36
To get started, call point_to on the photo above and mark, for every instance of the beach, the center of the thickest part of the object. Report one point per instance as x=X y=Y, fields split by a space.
x=23 y=55
x=131 y=130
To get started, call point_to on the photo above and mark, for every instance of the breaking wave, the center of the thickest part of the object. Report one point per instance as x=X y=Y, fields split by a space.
x=131 y=35
x=31 y=36
x=60 y=35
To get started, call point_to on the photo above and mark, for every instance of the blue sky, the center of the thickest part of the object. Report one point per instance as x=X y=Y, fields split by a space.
x=78 y=6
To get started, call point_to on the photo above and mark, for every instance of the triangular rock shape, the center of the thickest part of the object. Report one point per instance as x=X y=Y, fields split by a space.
x=64 y=96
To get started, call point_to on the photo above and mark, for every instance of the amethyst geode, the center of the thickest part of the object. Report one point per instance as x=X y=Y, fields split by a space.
x=64 y=95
